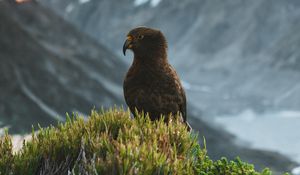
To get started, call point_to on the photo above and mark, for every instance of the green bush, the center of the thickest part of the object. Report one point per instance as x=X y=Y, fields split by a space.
x=112 y=143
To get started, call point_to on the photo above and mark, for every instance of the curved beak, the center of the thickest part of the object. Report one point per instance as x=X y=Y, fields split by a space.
x=127 y=44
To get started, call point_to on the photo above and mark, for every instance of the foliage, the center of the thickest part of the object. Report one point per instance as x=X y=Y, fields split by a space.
x=112 y=143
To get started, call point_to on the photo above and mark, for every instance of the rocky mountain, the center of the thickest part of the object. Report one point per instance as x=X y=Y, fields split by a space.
x=49 y=68
x=233 y=55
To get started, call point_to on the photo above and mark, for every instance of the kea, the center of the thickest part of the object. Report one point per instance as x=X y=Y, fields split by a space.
x=151 y=84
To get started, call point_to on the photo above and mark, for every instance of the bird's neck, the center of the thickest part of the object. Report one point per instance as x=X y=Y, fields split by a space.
x=150 y=61
x=154 y=55
x=143 y=65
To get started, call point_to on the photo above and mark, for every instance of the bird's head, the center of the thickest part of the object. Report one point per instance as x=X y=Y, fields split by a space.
x=146 y=42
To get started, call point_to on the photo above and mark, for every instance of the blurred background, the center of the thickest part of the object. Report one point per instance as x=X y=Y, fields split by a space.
x=239 y=62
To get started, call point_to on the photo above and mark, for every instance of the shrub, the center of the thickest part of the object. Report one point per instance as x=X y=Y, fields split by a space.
x=112 y=143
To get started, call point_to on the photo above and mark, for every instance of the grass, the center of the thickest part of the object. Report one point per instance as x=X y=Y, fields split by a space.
x=110 y=142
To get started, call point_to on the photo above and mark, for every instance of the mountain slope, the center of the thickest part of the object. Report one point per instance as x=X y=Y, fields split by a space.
x=233 y=55
x=50 y=68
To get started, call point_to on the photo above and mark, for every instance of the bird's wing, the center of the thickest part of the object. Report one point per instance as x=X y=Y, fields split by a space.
x=156 y=103
x=164 y=95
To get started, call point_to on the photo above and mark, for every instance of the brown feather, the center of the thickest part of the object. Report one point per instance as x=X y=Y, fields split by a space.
x=151 y=84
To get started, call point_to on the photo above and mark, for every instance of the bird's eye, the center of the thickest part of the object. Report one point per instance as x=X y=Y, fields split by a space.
x=141 y=36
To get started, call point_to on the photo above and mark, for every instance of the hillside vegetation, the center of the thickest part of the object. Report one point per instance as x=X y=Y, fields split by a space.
x=110 y=142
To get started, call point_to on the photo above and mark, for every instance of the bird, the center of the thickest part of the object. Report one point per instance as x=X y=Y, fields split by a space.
x=151 y=85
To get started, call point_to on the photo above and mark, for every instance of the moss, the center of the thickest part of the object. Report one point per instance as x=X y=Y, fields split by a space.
x=112 y=143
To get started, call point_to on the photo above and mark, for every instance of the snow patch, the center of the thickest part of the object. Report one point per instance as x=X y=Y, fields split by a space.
x=69 y=8
x=83 y=1
x=277 y=131
x=153 y=3
x=289 y=114
x=296 y=171
x=139 y=2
